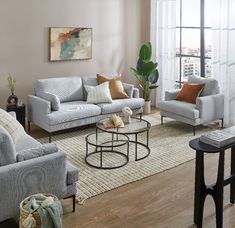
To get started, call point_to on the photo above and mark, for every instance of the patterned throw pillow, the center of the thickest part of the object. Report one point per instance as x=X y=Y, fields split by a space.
x=13 y=127
x=98 y=94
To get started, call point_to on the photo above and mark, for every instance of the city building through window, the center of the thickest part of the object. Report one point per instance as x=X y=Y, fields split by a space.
x=193 y=39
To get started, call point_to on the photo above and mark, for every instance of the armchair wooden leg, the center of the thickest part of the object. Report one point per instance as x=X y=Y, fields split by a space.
x=74 y=201
x=194 y=130
x=161 y=120
x=28 y=126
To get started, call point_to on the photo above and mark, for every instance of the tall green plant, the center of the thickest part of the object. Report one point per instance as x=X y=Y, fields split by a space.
x=146 y=71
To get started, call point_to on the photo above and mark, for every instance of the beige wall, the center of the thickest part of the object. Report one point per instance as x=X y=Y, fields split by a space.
x=119 y=28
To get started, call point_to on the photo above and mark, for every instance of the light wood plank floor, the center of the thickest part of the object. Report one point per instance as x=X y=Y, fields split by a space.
x=164 y=200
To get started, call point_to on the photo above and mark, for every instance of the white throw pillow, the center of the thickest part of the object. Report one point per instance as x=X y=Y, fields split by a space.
x=13 y=127
x=98 y=94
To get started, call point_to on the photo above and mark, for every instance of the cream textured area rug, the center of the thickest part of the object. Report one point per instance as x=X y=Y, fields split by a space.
x=169 y=148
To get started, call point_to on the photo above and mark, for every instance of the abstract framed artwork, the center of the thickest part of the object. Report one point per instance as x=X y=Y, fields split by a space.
x=70 y=43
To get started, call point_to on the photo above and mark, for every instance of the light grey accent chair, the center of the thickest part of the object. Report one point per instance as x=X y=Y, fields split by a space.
x=28 y=167
x=60 y=103
x=209 y=105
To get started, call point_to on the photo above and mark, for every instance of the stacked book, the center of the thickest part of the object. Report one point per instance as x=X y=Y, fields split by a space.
x=219 y=138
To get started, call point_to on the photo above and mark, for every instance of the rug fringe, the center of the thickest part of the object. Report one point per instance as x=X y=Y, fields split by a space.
x=81 y=200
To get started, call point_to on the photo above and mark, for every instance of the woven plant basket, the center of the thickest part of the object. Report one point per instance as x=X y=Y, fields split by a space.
x=24 y=214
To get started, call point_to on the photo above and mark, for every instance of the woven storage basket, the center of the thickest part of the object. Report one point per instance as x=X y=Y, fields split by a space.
x=24 y=214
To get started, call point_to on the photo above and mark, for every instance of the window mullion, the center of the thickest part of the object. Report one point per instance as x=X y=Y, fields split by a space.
x=202 y=38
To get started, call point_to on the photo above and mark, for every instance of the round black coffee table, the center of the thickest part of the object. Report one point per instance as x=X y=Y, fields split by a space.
x=135 y=127
x=107 y=147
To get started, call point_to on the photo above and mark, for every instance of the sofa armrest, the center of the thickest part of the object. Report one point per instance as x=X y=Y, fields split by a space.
x=210 y=107
x=171 y=94
x=136 y=93
x=19 y=180
x=38 y=109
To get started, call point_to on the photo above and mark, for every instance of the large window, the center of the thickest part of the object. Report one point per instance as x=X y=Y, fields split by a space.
x=193 y=39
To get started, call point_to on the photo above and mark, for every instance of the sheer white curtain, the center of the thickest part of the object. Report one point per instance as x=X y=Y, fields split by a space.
x=223 y=53
x=163 y=38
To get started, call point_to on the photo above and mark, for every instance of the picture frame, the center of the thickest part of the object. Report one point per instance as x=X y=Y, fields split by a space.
x=70 y=43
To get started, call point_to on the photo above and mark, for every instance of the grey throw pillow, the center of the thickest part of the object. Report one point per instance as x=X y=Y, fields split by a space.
x=7 y=148
x=36 y=152
x=54 y=99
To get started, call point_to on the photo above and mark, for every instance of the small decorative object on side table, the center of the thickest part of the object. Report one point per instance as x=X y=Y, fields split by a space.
x=20 y=112
x=12 y=99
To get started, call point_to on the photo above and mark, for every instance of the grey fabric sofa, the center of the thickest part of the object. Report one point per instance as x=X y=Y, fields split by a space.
x=50 y=173
x=209 y=105
x=73 y=110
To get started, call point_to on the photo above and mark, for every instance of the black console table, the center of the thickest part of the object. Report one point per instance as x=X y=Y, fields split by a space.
x=215 y=190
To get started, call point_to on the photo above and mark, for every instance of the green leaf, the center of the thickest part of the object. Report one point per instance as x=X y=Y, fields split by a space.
x=136 y=73
x=146 y=52
x=153 y=86
x=153 y=77
x=139 y=66
x=148 y=68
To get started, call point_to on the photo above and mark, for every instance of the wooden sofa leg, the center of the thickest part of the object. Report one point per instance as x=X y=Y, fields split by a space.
x=194 y=130
x=28 y=126
x=161 y=120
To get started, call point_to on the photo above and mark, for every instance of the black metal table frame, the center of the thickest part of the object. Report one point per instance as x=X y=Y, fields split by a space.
x=215 y=190
x=102 y=148
x=146 y=146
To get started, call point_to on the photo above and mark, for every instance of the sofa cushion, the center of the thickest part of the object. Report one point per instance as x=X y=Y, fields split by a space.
x=67 y=89
x=7 y=148
x=181 y=108
x=26 y=142
x=98 y=94
x=115 y=86
x=211 y=85
x=13 y=127
x=54 y=99
x=129 y=88
x=36 y=152
x=118 y=104
x=71 y=111
x=90 y=81
x=72 y=173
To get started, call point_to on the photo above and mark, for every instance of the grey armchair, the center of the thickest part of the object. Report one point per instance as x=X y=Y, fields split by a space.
x=209 y=105
x=27 y=167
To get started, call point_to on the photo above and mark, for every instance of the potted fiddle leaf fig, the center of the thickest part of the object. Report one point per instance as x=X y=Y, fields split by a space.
x=147 y=74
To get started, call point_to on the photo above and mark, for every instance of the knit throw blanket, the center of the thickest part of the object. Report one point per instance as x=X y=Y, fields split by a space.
x=49 y=210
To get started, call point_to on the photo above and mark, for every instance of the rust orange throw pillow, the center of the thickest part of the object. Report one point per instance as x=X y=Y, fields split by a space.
x=115 y=86
x=190 y=92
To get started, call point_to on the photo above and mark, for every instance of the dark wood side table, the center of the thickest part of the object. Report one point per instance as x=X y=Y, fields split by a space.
x=216 y=190
x=20 y=112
